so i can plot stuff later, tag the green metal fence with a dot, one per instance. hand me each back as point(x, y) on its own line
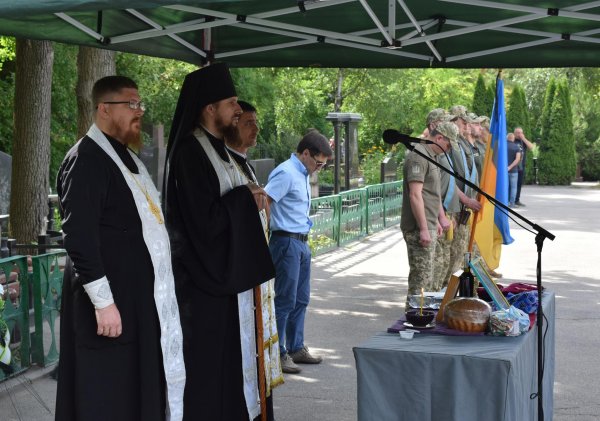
point(32, 304)
point(353, 214)
point(15, 280)
point(47, 293)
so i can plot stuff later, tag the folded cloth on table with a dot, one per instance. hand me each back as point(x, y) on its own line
point(514, 288)
point(437, 329)
point(526, 301)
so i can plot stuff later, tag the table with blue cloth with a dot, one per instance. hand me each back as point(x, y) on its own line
point(461, 378)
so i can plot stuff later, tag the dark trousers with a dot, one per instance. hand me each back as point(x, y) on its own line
point(519, 183)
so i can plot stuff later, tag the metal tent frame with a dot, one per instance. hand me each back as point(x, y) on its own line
point(325, 33)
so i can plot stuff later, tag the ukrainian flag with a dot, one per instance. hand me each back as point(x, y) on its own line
point(492, 222)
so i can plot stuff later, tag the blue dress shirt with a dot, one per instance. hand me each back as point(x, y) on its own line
point(289, 188)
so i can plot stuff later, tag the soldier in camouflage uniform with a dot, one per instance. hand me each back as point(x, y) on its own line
point(464, 164)
point(423, 217)
point(478, 148)
point(450, 203)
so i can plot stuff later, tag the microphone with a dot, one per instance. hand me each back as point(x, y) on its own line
point(392, 137)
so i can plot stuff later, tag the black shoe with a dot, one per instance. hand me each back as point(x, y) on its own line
point(521, 204)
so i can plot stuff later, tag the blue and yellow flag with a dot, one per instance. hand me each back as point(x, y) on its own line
point(492, 222)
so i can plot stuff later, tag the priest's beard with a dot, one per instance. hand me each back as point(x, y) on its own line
point(130, 135)
point(135, 141)
point(228, 130)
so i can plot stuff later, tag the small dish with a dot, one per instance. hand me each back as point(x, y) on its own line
point(406, 334)
point(429, 326)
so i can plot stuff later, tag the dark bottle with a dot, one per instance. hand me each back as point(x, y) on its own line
point(466, 279)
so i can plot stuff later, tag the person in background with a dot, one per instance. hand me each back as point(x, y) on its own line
point(463, 160)
point(288, 189)
point(238, 143)
point(514, 157)
point(243, 138)
point(120, 351)
point(525, 145)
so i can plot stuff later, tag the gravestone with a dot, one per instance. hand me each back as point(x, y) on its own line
point(263, 168)
point(153, 156)
point(5, 177)
point(345, 151)
point(389, 170)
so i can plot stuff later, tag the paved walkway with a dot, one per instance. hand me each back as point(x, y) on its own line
point(357, 291)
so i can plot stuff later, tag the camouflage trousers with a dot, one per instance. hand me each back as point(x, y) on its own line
point(420, 262)
point(441, 263)
point(458, 249)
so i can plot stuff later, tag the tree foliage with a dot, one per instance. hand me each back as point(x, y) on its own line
point(557, 153)
point(63, 129)
point(7, 91)
point(587, 124)
point(481, 101)
point(159, 82)
point(517, 115)
point(545, 121)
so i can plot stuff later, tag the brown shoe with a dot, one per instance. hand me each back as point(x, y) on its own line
point(495, 274)
point(302, 356)
point(288, 366)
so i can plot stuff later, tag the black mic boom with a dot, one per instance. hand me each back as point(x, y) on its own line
point(392, 137)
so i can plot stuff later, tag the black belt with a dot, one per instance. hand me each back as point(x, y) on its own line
point(301, 237)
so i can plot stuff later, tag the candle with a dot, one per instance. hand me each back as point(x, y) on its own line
point(422, 299)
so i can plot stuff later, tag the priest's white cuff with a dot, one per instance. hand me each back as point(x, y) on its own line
point(99, 292)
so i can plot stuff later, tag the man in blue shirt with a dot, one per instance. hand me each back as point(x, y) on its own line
point(288, 189)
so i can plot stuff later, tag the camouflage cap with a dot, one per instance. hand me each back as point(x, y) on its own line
point(449, 130)
point(438, 114)
point(475, 118)
point(485, 122)
point(460, 111)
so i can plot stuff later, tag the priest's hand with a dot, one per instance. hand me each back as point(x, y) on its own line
point(260, 196)
point(109, 321)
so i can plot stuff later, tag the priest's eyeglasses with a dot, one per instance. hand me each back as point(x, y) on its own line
point(134, 105)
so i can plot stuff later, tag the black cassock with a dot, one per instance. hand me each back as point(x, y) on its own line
point(103, 378)
point(218, 249)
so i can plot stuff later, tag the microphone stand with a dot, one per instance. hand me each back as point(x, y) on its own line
point(541, 235)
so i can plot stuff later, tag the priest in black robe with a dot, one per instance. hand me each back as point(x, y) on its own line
point(219, 249)
point(120, 359)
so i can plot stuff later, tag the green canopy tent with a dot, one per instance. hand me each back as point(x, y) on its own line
point(327, 33)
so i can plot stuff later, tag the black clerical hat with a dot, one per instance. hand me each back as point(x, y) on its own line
point(212, 84)
point(202, 87)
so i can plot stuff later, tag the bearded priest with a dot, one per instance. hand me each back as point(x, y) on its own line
point(220, 254)
point(121, 341)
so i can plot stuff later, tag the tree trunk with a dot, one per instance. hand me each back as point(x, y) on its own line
point(31, 146)
point(92, 64)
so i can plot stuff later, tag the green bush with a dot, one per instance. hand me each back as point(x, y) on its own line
point(481, 105)
point(371, 164)
point(589, 159)
point(557, 162)
point(518, 116)
point(326, 176)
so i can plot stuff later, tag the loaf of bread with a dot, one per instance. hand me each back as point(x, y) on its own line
point(467, 314)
